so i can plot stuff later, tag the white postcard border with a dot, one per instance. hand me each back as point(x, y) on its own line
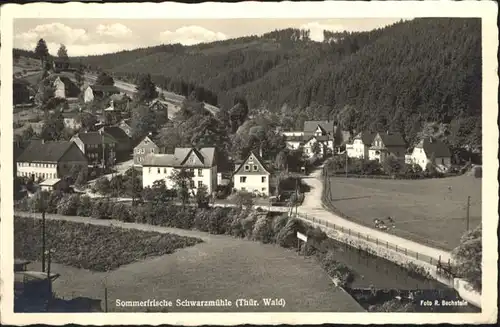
point(336, 9)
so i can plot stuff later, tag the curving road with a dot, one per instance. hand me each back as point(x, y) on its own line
point(130, 89)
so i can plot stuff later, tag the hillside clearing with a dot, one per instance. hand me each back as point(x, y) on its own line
point(429, 211)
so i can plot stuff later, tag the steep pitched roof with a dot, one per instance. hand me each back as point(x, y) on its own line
point(178, 159)
point(392, 139)
point(104, 88)
point(116, 132)
point(326, 126)
point(95, 138)
point(366, 137)
point(39, 151)
point(259, 160)
point(434, 146)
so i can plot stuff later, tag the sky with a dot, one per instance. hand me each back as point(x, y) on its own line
point(97, 36)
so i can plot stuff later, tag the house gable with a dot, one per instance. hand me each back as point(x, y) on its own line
point(378, 142)
point(193, 159)
point(73, 154)
point(252, 166)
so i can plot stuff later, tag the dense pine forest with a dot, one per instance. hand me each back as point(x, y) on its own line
point(400, 78)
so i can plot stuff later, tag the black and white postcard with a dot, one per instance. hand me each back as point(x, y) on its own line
point(249, 163)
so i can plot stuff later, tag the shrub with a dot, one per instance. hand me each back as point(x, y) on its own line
point(68, 205)
point(287, 236)
point(278, 223)
point(121, 212)
point(100, 209)
point(85, 207)
point(248, 224)
point(337, 270)
point(102, 185)
point(263, 230)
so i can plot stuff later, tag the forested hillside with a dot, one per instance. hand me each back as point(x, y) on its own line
point(399, 78)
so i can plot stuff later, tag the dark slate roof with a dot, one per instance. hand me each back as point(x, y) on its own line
point(294, 138)
point(104, 88)
point(320, 138)
point(116, 132)
point(392, 139)
point(310, 126)
point(39, 151)
point(366, 137)
point(177, 159)
point(95, 138)
point(257, 157)
point(434, 146)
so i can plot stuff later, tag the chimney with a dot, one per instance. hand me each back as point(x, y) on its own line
point(260, 151)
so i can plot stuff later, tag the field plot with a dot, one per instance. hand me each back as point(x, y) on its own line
point(431, 211)
point(98, 248)
point(220, 267)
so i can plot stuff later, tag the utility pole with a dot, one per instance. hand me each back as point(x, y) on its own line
point(43, 239)
point(346, 161)
point(468, 211)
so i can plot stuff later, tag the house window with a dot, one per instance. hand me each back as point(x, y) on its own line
point(200, 172)
point(243, 188)
point(158, 170)
point(164, 170)
point(247, 168)
point(191, 184)
point(152, 150)
point(263, 189)
point(200, 184)
point(149, 170)
point(263, 179)
point(442, 161)
point(255, 168)
point(243, 179)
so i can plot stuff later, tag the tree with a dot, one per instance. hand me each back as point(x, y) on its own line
point(243, 199)
point(62, 52)
point(316, 148)
point(146, 89)
point(87, 119)
point(392, 165)
point(104, 79)
point(202, 197)
point(281, 160)
point(81, 179)
point(41, 51)
point(79, 76)
point(468, 257)
point(53, 127)
point(183, 179)
point(44, 93)
point(102, 185)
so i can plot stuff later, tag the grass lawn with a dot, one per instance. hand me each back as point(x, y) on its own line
point(98, 248)
point(221, 267)
point(425, 211)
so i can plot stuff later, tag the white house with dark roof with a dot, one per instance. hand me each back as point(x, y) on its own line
point(252, 176)
point(327, 132)
point(433, 151)
point(202, 162)
point(50, 160)
point(360, 145)
point(385, 145)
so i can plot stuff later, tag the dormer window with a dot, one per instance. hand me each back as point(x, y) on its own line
point(255, 168)
point(247, 168)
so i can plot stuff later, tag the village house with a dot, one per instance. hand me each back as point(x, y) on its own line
point(98, 147)
point(71, 120)
point(62, 65)
point(252, 176)
point(385, 145)
point(99, 91)
point(360, 145)
point(123, 143)
point(431, 151)
point(327, 133)
point(293, 140)
point(144, 148)
point(51, 184)
point(65, 87)
point(202, 162)
point(50, 160)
